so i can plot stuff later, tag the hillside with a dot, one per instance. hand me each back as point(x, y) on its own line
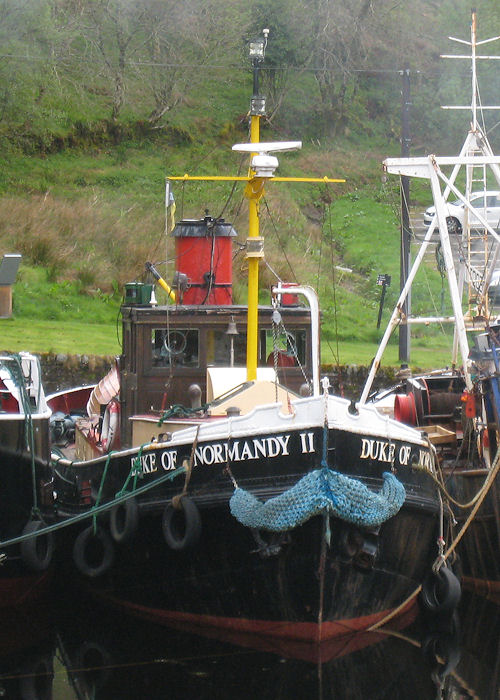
point(82, 242)
point(83, 168)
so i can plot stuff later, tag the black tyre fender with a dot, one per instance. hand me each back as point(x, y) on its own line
point(37, 552)
point(441, 591)
point(123, 520)
point(93, 552)
point(94, 663)
point(181, 526)
point(441, 649)
point(36, 679)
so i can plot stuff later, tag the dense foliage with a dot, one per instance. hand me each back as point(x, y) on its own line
point(79, 71)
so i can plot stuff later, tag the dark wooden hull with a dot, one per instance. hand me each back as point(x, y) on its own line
point(289, 585)
point(479, 668)
point(18, 468)
point(479, 548)
point(304, 591)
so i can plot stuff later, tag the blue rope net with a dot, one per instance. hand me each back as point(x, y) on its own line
point(320, 491)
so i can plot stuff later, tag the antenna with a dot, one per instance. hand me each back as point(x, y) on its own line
point(263, 163)
point(473, 57)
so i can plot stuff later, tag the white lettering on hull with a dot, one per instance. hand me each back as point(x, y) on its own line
point(208, 454)
point(385, 451)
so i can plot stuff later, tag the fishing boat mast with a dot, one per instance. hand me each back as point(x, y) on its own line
point(476, 153)
point(262, 167)
point(255, 247)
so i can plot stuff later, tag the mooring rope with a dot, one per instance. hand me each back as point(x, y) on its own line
point(95, 510)
point(452, 546)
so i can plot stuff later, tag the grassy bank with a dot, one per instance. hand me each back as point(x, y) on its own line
point(86, 223)
point(88, 338)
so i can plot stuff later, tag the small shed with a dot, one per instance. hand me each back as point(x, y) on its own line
point(8, 272)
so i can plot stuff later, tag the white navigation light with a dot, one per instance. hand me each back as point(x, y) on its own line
point(263, 163)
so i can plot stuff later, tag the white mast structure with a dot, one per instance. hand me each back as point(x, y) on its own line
point(475, 153)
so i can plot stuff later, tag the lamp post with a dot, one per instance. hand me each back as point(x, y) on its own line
point(257, 51)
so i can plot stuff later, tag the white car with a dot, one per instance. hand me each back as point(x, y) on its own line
point(494, 288)
point(487, 204)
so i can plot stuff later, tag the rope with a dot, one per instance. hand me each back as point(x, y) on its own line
point(176, 500)
point(101, 486)
point(181, 411)
point(95, 510)
point(486, 485)
point(134, 472)
point(488, 482)
point(277, 327)
point(453, 545)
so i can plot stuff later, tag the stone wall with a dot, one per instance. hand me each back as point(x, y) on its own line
point(61, 371)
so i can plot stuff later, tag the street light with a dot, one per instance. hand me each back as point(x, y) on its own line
point(257, 50)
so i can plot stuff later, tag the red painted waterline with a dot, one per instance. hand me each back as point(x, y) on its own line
point(300, 640)
point(16, 591)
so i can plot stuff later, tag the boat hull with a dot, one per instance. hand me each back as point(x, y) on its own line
point(480, 545)
point(328, 570)
point(300, 588)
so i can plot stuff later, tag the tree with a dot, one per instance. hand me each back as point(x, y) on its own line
point(112, 29)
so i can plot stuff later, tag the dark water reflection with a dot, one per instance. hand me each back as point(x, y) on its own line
point(66, 648)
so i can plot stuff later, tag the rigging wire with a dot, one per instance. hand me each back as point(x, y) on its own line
point(283, 250)
point(336, 352)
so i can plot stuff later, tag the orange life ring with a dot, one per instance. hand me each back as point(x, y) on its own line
point(110, 425)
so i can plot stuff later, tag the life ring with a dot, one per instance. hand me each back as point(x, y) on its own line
point(441, 591)
point(93, 552)
point(123, 520)
point(181, 526)
point(110, 425)
point(36, 552)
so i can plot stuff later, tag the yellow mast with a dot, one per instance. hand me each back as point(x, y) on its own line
point(254, 254)
point(255, 248)
point(254, 190)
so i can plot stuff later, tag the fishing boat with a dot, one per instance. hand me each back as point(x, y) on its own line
point(26, 497)
point(460, 407)
point(216, 479)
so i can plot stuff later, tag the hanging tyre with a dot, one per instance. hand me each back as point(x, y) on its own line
point(181, 526)
point(93, 552)
point(37, 551)
point(36, 679)
point(94, 662)
point(123, 520)
point(441, 591)
point(441, 649)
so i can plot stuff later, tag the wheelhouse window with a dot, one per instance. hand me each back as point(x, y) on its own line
point(290, 348)
point(226, 350)
point(175, 347)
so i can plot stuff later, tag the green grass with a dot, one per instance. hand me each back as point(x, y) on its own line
point(68, 337)
point(91, 338)
point(422, 355)
point(69, 317)
point(87, 222)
